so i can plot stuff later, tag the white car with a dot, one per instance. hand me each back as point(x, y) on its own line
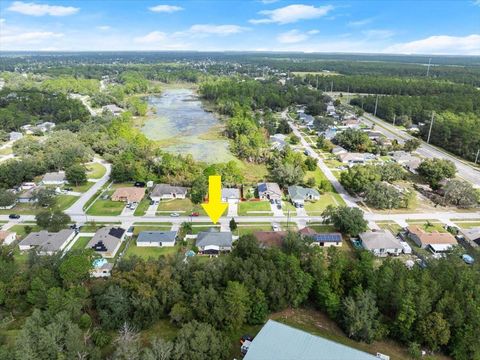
point(174, 214)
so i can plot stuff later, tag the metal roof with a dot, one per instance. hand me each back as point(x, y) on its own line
point(281, 342)
point(157, 236)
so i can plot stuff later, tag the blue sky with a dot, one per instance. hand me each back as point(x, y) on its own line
point(422, 27)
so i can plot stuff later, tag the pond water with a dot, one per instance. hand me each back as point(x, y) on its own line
point(181, 123)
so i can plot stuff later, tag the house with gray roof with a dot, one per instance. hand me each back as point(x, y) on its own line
point(472, 236)
point(278, 141)
point(282, 342)
point(14, 136)
point(47, 243)
point(298, 194)
point(269, 191)
point(107, 241)
point(157, 238)
point(230, 195)
point(54, 178)
point(166, 192)
point(381, 243)
point(214, 242)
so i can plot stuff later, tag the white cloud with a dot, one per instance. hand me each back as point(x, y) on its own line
point(2, 20)
point(378, 34)
point(292, 37)
point(362, 22)
point(476, 2)
point(33, 37)
point(441, 45)
point(153, 37)
point(42, 9)
point(103, 27)
point(165, 8)
point(313, 32)
point(210, 29)
point(292, 13)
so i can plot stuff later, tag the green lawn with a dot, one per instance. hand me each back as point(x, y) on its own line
point(106, 207)
point(82, 188)
point(253, 173)
point(91, 227)
point(95, 170)
point(389, 225)
point(245, 229)
point(245, 208)
point(286, 206)
point(150, 252)
point(428, 226)
point(65, 201)
point(142, 207)
point(182, 206)
point(197, 229)
point(81, 243)
point(467, 224)
point(21, 209)
point(20, 230)
point(317, 207)
point(138, 229)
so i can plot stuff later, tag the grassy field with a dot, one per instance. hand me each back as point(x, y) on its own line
point(322, 228)
point(20, 230)
point(82, 188)
point(252, 172)
point(389, 225)
point(467, 224)
point(81, 243)
point(106, 207)
point(150, 252)
point(65, 201)
point(317, 207)
point(428, 226)
point(142, 207)
point(199, 228)
point(182, 206)
point(95, 171)
point(245, 229)
point(245, 208)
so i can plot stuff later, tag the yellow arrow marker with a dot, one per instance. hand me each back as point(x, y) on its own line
point(215, 208)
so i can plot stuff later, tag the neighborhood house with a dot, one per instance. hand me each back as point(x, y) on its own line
point(6, 237)
point(54, 178)
point(381, 243)
point(355, 158)
point(166, 191)
point(47, 243)
point(321, 239)
point(107, 241)
point(214, 242)
point(472, 236)
point(157, 238)
point(435, 241)
point(298, 194)
point(101, 268)
point(129, 194)
point(269, 191)
point(230, 195)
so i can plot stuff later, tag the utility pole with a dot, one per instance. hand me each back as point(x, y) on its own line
point(394, 117)
point(376, 103)
point(331, 87)
point(430, 130)
point(317, 83)
point(476, 157)
point(428, 67)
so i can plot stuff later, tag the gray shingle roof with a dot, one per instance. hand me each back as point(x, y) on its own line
point(106, 239)
point(380, 239)
point(222, 239)
point(166, 189)
point(157, 236)
point(54, 176)
point(47, 241)
point(301, 193)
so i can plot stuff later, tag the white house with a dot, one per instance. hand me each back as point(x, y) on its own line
point(269, 191)
point(166, 192)
point(14, 136)
point(54, 178)
point(298, 194)
point(381, 243)
point(156, 238)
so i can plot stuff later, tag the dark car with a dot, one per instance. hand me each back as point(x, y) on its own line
point(279, 206)
point(139, 184)
point(14, 216)
point(246, 338)
point(68, 189)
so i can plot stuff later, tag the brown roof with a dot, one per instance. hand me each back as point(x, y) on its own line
point(307, 231)
point(129, 194)
point(434, 237)
point(3, 235)
point(270, 239)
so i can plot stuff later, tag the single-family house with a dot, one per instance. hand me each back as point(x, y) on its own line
point(337, 150)
point(7, 237)
point(14, 136)
point(413, 164)
point(107, 241)
point(329, 134)
point(156, 238)
point(113, 109)
point(28, 196)
point(27, 129)
point(27, 185)
point(46, 126)
point(279, 341)
point(269, 191)
point(230, 195)
point(270, 239)
point(472, 236)
point(381, 243)
point(435, 241)
point(47, 243)
point(54, 178)
point(352, 158)
point(374, 135)
point(129, 194)
point(278, 141)
point(214, 242)
point(351, 123)
point(101, 268)
point(299, 194)
point(321, 239)
point(166, 192)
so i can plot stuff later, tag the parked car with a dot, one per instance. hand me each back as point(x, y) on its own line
point(279, 207)
point(14, 216)
point(195, 214)
point(272, 201)
point(139, 184)
point(278, 201)
point(246, 338)
point(174, 214)
point(68, 189)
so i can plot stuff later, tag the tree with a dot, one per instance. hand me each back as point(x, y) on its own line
point(287, 174)
point(199, 189)
point(349, 221)
point(76, 174)
point(113, 307)
point(237, 301)
point(233, 225)
point(294, 140)
point(199, 341)
point(434, 330)
point(7, 198)
point(127, 344)
point(53, 221)
point(75, 267)
point(258, 308)
point(391, 172)
point(460, 193)
point(310, 163)
point(360, 316)
point(357, 178)
point(384, 196)
point(436, 170)
point(354, 140)
point(45, 197)
point(411, 145)
point(159, 350)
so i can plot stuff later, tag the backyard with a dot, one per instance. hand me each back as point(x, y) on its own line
point(81, 243)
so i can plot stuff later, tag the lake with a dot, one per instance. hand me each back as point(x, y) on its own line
point(181, 124)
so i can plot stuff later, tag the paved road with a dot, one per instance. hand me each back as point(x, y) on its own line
point(77, 208)
point(349, 200)
point(465, 171)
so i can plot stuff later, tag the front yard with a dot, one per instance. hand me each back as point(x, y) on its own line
point(181, 206)
point(316, 208)
point(254, 208)
point(106, 207)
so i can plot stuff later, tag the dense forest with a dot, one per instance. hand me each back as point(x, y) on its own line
point(61, 311)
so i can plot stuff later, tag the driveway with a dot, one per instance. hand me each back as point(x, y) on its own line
point(232, 208)
point(275, 210)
